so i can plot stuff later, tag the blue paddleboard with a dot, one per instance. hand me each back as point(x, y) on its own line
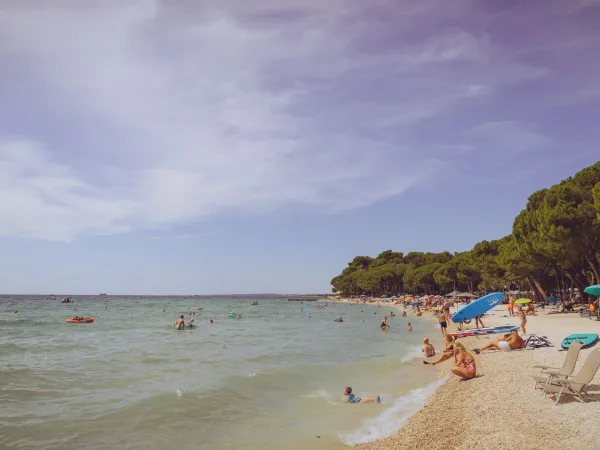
point(478, 307)
point(585, 339)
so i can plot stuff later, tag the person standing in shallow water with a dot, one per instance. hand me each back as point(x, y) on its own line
point(443, 319)
point(384, 325)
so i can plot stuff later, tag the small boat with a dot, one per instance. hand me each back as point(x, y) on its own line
point(80, 320)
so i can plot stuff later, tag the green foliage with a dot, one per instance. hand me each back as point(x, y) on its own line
point(596, 194)
point(555, 238)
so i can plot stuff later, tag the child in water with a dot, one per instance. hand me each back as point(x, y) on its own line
point(349, 397)
point(409, 327)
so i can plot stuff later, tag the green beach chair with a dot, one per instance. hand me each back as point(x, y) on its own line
point(575, 385)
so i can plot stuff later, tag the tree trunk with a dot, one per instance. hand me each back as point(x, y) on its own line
point(580, 282)
point(537, 288)
point(594, 266)
point(557, 279)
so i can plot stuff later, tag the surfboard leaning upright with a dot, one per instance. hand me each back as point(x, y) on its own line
point(478, 307)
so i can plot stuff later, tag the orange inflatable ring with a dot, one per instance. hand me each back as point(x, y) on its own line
point(85, 320)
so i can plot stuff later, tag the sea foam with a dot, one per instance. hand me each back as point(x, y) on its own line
point(413, 353)
point(392, 418)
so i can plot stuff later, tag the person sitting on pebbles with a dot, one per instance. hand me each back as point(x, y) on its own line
point(464, 366)
point(448, 352)
point(428, 349)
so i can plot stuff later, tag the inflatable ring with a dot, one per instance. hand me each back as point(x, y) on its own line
point(84, 320)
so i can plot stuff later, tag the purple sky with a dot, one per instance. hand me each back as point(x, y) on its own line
point(134, 129)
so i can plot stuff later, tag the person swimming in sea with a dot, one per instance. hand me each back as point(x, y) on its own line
point(211, 321)
point(180, 324)
point(409, 327)
point(349, 397)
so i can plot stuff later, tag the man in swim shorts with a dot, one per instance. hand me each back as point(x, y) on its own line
point(180, 323)
point(443, 319)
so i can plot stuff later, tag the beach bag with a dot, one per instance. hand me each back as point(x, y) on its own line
point(534, 341)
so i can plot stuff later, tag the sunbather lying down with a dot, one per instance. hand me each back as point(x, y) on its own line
point(510, 341)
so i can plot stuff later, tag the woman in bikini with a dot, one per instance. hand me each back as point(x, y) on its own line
point(523, 316)
point(465, 363)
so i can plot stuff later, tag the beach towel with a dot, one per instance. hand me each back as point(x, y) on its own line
point(534, 341)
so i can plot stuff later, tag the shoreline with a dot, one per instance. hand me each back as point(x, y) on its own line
point(499, 408)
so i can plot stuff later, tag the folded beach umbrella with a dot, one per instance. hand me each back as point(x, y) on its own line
point(593, 290)
point(522, 301)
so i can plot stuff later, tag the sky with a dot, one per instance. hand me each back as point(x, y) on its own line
point(229, 146)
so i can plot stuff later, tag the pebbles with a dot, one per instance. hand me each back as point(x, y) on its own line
point(499, 409)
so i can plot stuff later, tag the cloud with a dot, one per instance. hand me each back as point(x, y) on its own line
point(139, 114)
point(46, 200)
point(178, 237)
point(510, 136)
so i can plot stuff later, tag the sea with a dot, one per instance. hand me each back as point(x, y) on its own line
point(273, 379)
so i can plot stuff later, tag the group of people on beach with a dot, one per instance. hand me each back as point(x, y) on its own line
point(464, 362)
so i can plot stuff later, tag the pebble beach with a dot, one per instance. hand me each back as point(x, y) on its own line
point(500, 408)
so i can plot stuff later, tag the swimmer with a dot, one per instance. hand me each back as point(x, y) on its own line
point(180, 323)
point(349, 397)
point(409, 327)
point(211, 321)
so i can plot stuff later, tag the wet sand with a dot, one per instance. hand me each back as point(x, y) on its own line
point(499, 408)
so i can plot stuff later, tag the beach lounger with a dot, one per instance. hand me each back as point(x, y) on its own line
point(575, 385)
point(561, 372)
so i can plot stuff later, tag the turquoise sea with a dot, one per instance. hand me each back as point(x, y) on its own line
point(271, 380)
